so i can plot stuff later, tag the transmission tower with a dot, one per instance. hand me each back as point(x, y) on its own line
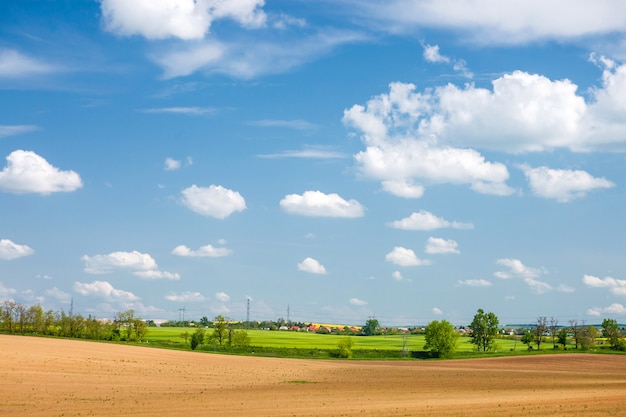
point(248, 314)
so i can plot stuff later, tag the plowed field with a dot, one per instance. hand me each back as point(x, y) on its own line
point(46, 377)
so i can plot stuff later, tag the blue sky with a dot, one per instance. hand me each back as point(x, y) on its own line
point(409, 160)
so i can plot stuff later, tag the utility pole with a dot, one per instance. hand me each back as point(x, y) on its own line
point(288, 318)
point(248, 314)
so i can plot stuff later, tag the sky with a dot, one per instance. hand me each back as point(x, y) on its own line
point(320, 161)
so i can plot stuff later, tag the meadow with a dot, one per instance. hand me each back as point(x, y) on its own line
point(172, 337)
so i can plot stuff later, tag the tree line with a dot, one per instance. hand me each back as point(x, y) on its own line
point(441, 336)
point(16, 318)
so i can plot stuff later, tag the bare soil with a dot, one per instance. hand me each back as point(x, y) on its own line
point(49, 377)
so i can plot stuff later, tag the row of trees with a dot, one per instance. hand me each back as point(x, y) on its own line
point(441, 336)
point(17, 318)
point(222, 334)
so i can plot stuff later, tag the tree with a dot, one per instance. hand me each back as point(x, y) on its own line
point(540, 329)
point(610, 330)
point(220, 331)
point(440, 338)
point(240, 338)
point(587, 336)
point(371, 328)
point(528, 338)
point(554, 326)
point(484, 329)
point(575, 329)
point(345, 347)
point(562, 337)
point(197, 338)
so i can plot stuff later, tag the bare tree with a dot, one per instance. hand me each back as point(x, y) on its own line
point(540, 330)
point(554, 326)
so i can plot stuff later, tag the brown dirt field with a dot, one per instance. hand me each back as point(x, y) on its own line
point(48, 377)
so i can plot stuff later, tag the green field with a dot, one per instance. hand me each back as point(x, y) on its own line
point(172, 336)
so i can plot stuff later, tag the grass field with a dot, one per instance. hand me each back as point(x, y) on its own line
point(173, 336)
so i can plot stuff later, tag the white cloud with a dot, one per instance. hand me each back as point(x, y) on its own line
point(397, 276)
point(183, 19)
point(475, 283)
point(497, 22)
point(318, 204)
point(103, 290)
point(562, 185)
point(403, 188)
point(425, 220)
point(58, 294)
point(10, 250)
point(134, 261)
point(14, 64)
point(405, 257)
point(307, 153)
point(202, 251)
point(27, 172)
point(312, 266)
point(222, 296)
point(357, 302)
point(248, 57)
point(11, 130)
point(614, 308)
point(437, 311)
point(6, 292)
point(192, 111)
point(157, 274)
point(432, 54)
point(516, 269)
point(186, 297)
point(172, 164)
point(441, 246)
point(213, 201)
point(616, 286)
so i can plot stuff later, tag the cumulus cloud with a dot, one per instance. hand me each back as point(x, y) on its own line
point(616, 286)
point(183, 19)
point(436, 245)
point(405, 257)
point(425, 220)
point(58, 294)
point(172, 164)
point(516, 269)
point(403, 188)
point(318, 204)
point(495, 22)
point(562, 185)
point(5, 292)
point(103, 264)
point(312, 266)
point(213, 201)
point(614, 308)
point(475, 283)
point(103, 290)
point(10, 250)
point(27, 172)
point(186, 297)
point(14, 64)
point(222, 296)
point(432, 54)
point(11, 130)
point(203, 251)
point(140, 264)
point(357, 302)
point(397, 276)
point(157, 274)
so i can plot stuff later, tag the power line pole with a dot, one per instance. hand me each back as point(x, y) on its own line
point(248, 314)
point(288, 318)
